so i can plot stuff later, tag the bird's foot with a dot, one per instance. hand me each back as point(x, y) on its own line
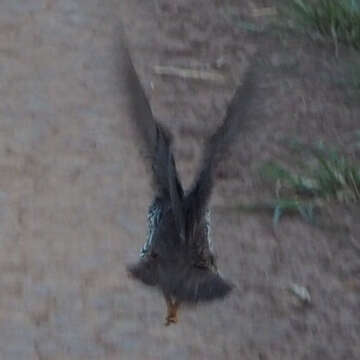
point(171, 320)
point(172, 308)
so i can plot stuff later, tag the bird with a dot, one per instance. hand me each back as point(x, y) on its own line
point(178, 258)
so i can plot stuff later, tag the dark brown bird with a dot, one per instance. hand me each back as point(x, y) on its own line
point(177, 257)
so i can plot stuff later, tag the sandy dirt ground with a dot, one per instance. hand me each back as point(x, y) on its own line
point(74, 192)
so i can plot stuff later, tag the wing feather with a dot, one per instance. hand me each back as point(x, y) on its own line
point(216, 148)
point(157, 141)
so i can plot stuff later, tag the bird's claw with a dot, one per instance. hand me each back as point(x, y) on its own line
point(171, 320)
point(172, 308)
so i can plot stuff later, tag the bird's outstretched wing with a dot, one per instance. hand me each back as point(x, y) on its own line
point(216, 148)
point(157, 142)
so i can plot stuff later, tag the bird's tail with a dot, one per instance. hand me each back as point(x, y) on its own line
point(198, 285)
point(143, 271)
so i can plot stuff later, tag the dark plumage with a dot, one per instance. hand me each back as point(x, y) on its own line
point(177, 257)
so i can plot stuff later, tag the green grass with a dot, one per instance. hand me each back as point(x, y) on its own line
point(325, 175)
point(338, 20)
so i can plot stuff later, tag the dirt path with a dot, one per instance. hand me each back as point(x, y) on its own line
point(73, 193)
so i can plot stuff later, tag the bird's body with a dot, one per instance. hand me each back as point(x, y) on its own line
point(185, 273)
point(154, 217)
point(177, 257)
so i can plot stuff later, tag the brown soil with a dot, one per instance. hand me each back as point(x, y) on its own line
point(74, 192)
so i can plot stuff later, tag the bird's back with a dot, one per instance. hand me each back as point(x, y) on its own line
point(185, 270)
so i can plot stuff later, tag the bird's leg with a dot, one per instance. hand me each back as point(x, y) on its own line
point(172, 308)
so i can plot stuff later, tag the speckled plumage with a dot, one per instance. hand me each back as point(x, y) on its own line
point(153, 221)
